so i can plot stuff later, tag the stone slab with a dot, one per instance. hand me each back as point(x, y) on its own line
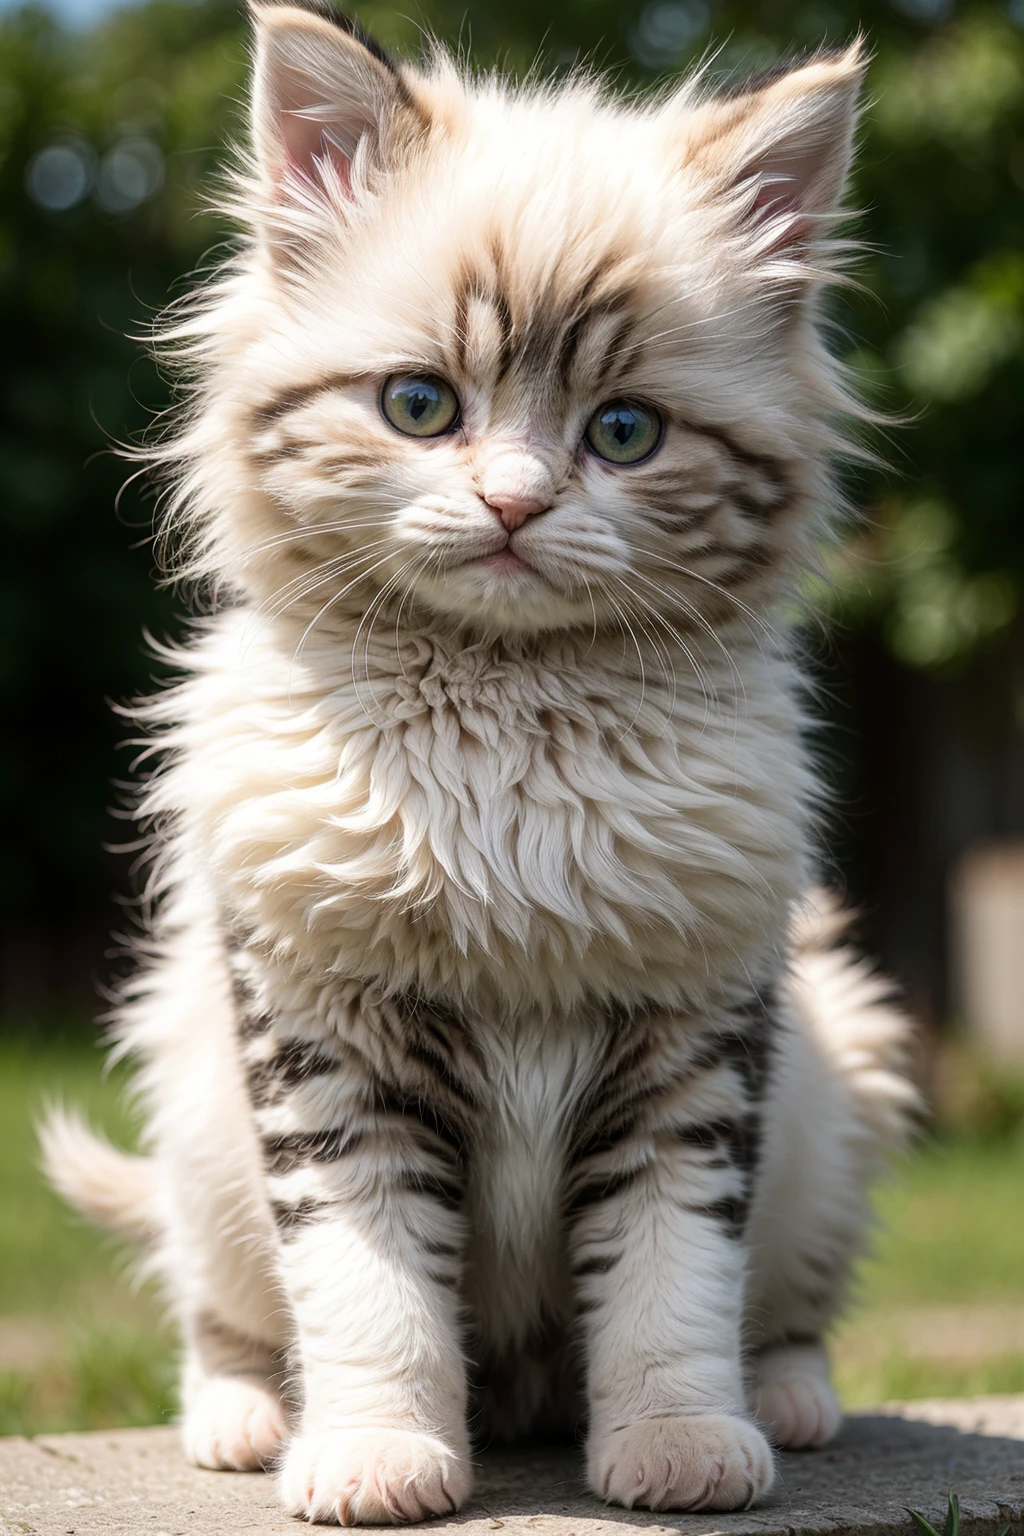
point(135, 1483)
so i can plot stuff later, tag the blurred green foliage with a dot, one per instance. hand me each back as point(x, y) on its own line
point(107, 140)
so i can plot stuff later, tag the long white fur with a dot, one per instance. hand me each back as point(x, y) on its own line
point(542, 804)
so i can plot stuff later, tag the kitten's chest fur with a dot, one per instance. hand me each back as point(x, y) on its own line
point(487, 825)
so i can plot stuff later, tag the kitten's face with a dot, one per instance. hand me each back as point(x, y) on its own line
point(526, 373)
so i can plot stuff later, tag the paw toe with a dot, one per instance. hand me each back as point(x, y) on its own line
point(372, 1477)
point(708, 1461)
point(798, 1412)
point(233, 1423)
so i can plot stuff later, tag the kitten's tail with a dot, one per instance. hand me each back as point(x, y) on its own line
point(115, 1189)
point(852, 1013)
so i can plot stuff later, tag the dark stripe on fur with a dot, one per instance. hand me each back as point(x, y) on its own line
point(731, 1211)
point(597, 1264)
point(294, 1062)
point(251, 1020)
point(447, 1191)
point(432, 1119)
point(283, 1154)
point(601, 1187)
point(265, 415)
point(760, 463)
point(291, 1216)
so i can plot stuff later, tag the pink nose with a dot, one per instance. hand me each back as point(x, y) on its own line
point(514, 510)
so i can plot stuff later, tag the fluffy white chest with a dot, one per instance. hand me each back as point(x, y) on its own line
point(502, 829)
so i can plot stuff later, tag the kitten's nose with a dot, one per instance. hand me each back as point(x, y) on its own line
point(514, 510)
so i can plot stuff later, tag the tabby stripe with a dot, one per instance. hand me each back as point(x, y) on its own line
point(298, 395)
point(284, 1154)
point(732, 1211)
point(603, 1187)
point(598, 1264)
point(390, 1101)
point(447, 1191)
point(292, 1064)
point(290, 1216)
point(432, 1059)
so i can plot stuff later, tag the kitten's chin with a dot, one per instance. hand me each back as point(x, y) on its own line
point(501, 592)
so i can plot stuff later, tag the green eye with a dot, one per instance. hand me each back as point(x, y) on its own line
point(623, 432)
point(419, 405)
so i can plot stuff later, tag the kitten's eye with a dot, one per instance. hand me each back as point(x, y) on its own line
point(623, 432)
point(419, 405)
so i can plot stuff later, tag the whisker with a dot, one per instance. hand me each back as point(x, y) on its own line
point(628, 628)
point(697, 617)
point(307, 581)
point(334, 598)
point(708, 690)
point(316, 530)
point(373, 613)
point(685, 570)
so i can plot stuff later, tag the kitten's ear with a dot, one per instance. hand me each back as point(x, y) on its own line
point(322, 93)
point(782, 145)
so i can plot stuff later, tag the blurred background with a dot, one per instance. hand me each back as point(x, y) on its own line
point(111, 122)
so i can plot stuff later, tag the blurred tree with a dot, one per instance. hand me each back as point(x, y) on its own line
point(106, 140)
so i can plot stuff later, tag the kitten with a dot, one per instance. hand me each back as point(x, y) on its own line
point(498, 1069)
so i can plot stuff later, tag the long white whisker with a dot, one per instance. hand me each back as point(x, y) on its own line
point(685, 570)
point(371, 614)
point(697, 617)
point(307, 581)
point(334, 598)
point(708, 691)
point(628, 629)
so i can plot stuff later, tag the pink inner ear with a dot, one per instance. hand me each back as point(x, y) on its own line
point(309, 146)
point(782, 198)
point(773, 197)
point(776, 200)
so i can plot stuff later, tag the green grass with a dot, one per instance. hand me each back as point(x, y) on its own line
point(82, 1344)
point(950, 1226)
point(949, 1235)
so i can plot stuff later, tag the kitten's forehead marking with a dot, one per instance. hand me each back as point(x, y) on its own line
point(540, 334)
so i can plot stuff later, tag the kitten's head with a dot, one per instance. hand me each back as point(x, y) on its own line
point(524, 358)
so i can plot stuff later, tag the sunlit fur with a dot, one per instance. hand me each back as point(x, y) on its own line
point(495, 1060)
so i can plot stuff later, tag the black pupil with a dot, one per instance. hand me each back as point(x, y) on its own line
point(420, 398)
point(622, 425)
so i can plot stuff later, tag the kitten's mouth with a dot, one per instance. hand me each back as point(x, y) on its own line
point(504, 560)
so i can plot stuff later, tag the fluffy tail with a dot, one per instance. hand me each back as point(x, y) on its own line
point(113, 1188)
point(852, 1012)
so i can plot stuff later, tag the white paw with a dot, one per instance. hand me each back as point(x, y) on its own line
point(233, 1423)
point(372, 1477)
point(798, 1411)
point(710, 1461)
point(793, 1396)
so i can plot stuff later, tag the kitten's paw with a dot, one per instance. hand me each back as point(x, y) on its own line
point(793, 1397)
point(709, 1461)
point(372, 1477)
point(233, 1423)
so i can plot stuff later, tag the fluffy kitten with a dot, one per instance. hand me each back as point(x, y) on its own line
point(493, 1075)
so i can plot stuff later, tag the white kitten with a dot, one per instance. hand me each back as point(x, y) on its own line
point(488, 1076)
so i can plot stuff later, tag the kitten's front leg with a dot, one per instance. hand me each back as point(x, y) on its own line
point(661, 1189)
point(364, 1174)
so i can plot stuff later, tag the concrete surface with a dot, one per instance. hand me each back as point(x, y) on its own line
point(134, 1483)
